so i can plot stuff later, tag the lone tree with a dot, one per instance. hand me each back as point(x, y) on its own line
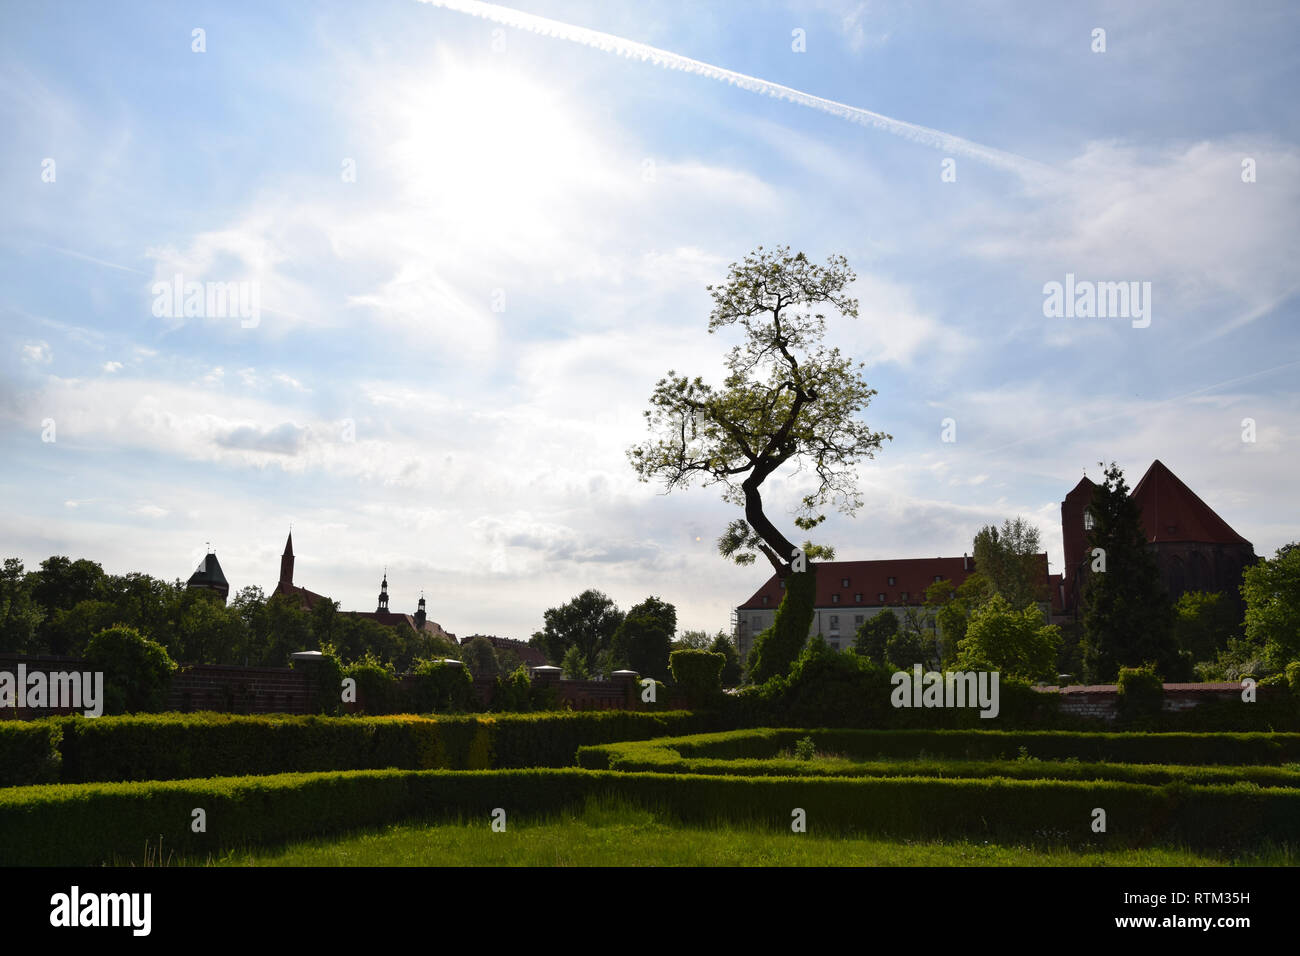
point(1128, 618)
point(786, 398)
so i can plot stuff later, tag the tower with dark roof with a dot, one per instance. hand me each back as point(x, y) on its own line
point(286, 563)
point(209, 576)
point(419, 614)
point(383, 595)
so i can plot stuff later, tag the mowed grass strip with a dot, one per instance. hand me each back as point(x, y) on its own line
point(607, 833)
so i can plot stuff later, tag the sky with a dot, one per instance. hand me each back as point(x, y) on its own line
point(470, 243)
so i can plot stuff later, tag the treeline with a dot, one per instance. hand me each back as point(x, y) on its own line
point(57, 608)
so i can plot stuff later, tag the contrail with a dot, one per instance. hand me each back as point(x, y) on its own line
point(1025, 168)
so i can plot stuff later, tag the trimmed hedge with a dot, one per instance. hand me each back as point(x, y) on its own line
point(656, 757)
point(29, 752)
point(98, 823)
point(178, 746)
point(1127, 748)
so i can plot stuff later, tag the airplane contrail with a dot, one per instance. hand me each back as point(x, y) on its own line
point(946, 142)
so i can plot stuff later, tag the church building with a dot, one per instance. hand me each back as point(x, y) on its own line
point(307, 599)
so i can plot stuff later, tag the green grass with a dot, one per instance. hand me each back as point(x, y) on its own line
point(609, 833)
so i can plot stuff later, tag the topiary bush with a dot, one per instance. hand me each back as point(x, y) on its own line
point(699, 674)
point(1141, 692)
point(377, 689)
point(137, 671)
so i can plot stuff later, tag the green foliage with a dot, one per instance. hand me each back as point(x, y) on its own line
point(785, 397)
point(1271, 590)
point(1204, 622)
point(1017, 643)
point(1141, 691)
point(62, 825)
point(377, 688)
point(175, 746)
point(699, 674)
point(1128, 618)
point(137, 672)
point(1008, 560)
point(731, 670)
point(1242, 657)
point(588, 622)
point(805, 749)
point(480, 657)
point(20, 615)
point(644, 639)
point(441, 687)
point(776, 648)
point(513, 694)
point(574, 664)
point(953, 607)
point(327, 680)
point(874, 635)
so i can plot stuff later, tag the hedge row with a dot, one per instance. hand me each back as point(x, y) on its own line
point(1051, 745)
point(650, 757)
point(180, 746)
point(84, 824)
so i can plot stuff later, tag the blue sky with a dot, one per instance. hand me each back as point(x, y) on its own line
point(452, 352)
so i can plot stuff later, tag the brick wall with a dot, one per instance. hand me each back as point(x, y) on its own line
point(1101, 701)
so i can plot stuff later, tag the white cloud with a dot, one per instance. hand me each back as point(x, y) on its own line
point(38, 353)
point(112, 367)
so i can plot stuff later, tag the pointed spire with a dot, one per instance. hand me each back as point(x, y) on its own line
point(383, 594)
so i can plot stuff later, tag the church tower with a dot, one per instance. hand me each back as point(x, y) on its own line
point(383, 595)
point(286, 563)
point(419, 614)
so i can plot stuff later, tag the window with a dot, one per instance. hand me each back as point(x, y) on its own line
point(835, 599)
point(781, 582)
point(764, 598)
point(905, 596)
point(857, 620)
point(881, 597)
point(835, 645)
point(892, 582)
point(858, 597)
point(1087, 521)
point(835, 622)
point(938, 578)
point(844, 582)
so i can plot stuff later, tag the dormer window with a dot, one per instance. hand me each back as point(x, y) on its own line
point(764, 598)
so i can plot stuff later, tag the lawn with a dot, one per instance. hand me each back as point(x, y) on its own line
point(612, 834)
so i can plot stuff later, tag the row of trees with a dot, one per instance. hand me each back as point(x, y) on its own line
point(57, 608)
point(589, 636)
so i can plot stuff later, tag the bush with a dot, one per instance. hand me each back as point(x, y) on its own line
point(137, 671)
point(377, 689)
point(29, 752)
point(439, 687)
point(1141, 692)
point(513, 694)
point(699, 674)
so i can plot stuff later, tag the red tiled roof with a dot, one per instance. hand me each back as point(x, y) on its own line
point(308, 598)
point(871, 578)
point(1172, 512)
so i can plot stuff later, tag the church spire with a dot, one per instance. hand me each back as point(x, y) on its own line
point(286, 561)
point(383, 595)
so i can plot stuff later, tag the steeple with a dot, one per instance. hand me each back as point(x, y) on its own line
point(286, 562)
point(419, 614)
point(383, 595)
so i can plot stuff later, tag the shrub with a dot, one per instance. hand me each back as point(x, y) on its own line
point(377, 689)
point(1141, 692)
point(699, 674)
point(29, 752)
point(513, 694)
point(805, 749)
point(440, 687)
point(137, 671)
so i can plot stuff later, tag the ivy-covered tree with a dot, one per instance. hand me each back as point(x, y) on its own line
point(786, 399)
point(1128, 618)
